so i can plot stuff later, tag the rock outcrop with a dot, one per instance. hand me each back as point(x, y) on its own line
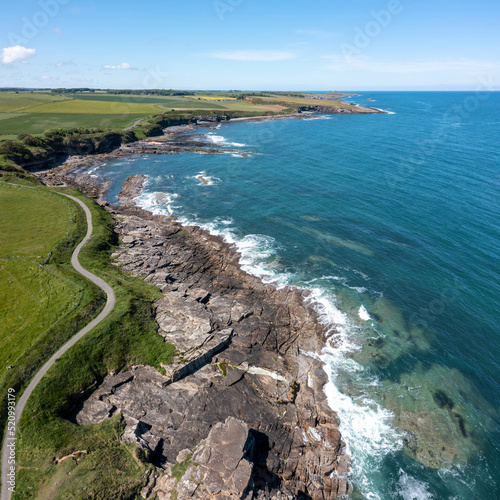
point(241, 413)
point(342, 110)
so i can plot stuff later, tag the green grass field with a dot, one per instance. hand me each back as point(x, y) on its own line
point(26, 102)
point(35, 113)
point(7, 115)
point(168, 102)
point(37, 123)
point(34, 298)
point(77, 106)
point(39, 314)
point(38, 220)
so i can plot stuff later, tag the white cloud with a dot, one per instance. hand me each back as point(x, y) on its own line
point(16, 53)
point(253, 55)
point(57, 31)
point(122, 65)
point(339, 62)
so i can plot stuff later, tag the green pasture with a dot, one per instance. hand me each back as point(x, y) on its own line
point(167, 102)
point(37, 123)
point(34, 297)
point(79, 106)
point(7, 115)
point(32, 221)
point(25, 102)
point(34, 113)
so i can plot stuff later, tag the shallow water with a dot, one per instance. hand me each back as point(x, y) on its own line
point(392, 222)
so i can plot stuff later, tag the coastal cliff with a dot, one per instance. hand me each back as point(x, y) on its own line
point(57, 145)
point(242, 412)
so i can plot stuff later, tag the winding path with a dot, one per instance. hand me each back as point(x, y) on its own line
point(21, 402)
point(135, 123)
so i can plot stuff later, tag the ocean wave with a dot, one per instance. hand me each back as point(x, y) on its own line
point(343, 280)
point(222, 141)
point(258, 252)
point(320, 117)
point(365, 426)
point(205, 180)
point(363, 314)
point(385, 111)
point(410, 488)
point(156, 202)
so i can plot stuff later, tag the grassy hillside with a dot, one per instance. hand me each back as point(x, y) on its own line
point(59, 303)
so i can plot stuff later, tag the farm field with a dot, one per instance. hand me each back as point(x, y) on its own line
point(37, 123)
point(26, 102)
point(170, 102)
point(34, 113)
point(303, 101)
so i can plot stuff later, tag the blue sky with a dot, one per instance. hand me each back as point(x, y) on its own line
point(251, 44)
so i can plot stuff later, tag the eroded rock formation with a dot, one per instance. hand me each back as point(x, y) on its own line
point(241, 413)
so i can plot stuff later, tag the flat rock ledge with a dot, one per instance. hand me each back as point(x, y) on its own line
point(241, 413)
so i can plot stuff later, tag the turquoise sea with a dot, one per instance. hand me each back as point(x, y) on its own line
point(392, 222)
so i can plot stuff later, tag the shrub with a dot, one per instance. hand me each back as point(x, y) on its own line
point(153, 130)
point(55, 132)
point(15, 151)
point(128, 136)
point(36, 142)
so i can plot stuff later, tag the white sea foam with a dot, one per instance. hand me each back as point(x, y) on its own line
point(320, 117)
point(385, 111)
point(256, 250)
point(341, 279)
point(365, 425)
point(222, 141)
point(205, 180)
point(363, 314)
point(158, 203)
point(93, 170)
point(216, 139)
point(410, 488)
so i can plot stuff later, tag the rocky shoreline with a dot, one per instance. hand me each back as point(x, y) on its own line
point(172, 141)
point(241, 412)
